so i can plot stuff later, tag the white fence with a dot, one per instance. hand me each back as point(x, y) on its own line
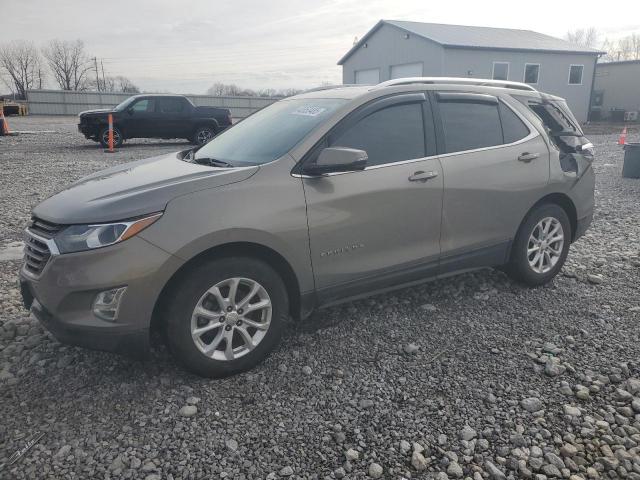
point(61, 102)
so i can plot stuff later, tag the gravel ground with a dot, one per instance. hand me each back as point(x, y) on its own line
point(471, 377)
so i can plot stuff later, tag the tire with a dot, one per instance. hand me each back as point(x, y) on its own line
point(527, 266)
point(103, 137)
point(202, 135)
point(197, 288)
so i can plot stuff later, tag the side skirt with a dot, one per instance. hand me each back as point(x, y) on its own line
point(449, 265)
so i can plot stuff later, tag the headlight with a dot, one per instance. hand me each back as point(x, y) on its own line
point(76, 238)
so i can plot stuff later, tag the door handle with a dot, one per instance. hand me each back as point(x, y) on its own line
point(421, 176)
point(527, 157)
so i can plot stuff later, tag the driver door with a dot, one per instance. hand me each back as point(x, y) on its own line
point(140, 119)
point(378, 227)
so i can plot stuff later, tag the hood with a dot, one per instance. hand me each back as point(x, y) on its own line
point(134, 189)
point(97, 111)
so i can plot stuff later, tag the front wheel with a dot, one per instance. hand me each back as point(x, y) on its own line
point(226, 316)
point(202, 135)
point(103, 137)
point(541, 245)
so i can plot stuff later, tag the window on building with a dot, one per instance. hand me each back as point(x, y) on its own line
point(513, 128)
point(531, 73)
point(469, 125)
point(389, 135)
point(575, 74)
point(500, 70)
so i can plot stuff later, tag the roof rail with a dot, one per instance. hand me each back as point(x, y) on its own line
point(330, 87)
point(480, 82)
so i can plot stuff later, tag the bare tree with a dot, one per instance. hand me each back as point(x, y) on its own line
point(69, 63)
point(625, 48)
point(219, 89)
point(119, 84)
point(123, 84)
point(585, 37)
point(21, 66)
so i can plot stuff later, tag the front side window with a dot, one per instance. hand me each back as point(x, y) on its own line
point(469, 125)
point(500, 71)
point(575, 74)
point(145, 105)
point(531, 73)
point(271, 132)
point(389, 135)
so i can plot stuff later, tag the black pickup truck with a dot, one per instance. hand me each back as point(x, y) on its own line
point(155, 116)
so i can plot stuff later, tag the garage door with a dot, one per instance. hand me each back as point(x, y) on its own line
point(406, 70)
point(371, 76)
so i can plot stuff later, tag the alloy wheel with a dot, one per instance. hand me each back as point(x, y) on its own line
point(545, 245)
point(116, 137)
point(231, 318)
point(204, 136)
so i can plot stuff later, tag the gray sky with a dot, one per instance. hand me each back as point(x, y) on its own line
point(184, 46)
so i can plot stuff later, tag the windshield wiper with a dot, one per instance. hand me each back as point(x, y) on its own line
point(213, 162)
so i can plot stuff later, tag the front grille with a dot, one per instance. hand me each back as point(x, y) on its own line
point(36, 255)
point(43, 228)
point(36, 250)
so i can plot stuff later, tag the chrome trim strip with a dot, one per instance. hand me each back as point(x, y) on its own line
point(49, 242)
point(534, 134)
point(372, 167)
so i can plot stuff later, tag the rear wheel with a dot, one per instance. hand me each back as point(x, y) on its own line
point(541, 245)
point(103, 137)
point(226, 316)
point(202, 135)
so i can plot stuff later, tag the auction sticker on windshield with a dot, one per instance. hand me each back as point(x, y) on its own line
point(309, 110)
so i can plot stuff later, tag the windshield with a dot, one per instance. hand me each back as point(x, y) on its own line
point(122, 105)
point(269, 133)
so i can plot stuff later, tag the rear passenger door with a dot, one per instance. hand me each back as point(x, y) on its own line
point(495, 166)
point(172, 113)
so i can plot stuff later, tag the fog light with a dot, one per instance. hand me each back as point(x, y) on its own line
point(107, 303)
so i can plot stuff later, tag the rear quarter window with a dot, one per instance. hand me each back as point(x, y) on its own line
point(513, 128)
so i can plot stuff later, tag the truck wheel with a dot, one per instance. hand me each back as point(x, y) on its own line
point(541, 245)
point(203, 135)
point(226, 316)
point(103, 137)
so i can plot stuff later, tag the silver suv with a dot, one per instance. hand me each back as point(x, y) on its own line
point(314, 200)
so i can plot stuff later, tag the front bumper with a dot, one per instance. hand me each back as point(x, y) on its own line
point(89, 131)
point(62, 296)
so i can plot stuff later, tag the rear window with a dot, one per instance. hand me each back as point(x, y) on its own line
point(555, 114)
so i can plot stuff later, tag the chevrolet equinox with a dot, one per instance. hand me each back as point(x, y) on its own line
point(316, 199)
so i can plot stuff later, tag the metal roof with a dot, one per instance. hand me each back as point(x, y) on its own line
point(617, 62)
point(484, 38)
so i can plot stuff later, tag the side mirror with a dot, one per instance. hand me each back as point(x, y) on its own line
point(337, 159)
point(130, 111)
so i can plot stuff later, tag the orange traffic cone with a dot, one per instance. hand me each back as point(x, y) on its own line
point(4, 126)
point(623, 137)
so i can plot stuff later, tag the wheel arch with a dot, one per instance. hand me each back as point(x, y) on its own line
point(246, 249)
point(563, 201)
point(207, 122)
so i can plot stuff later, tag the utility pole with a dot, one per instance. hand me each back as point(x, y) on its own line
point(104, 82)
point(95, 62)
